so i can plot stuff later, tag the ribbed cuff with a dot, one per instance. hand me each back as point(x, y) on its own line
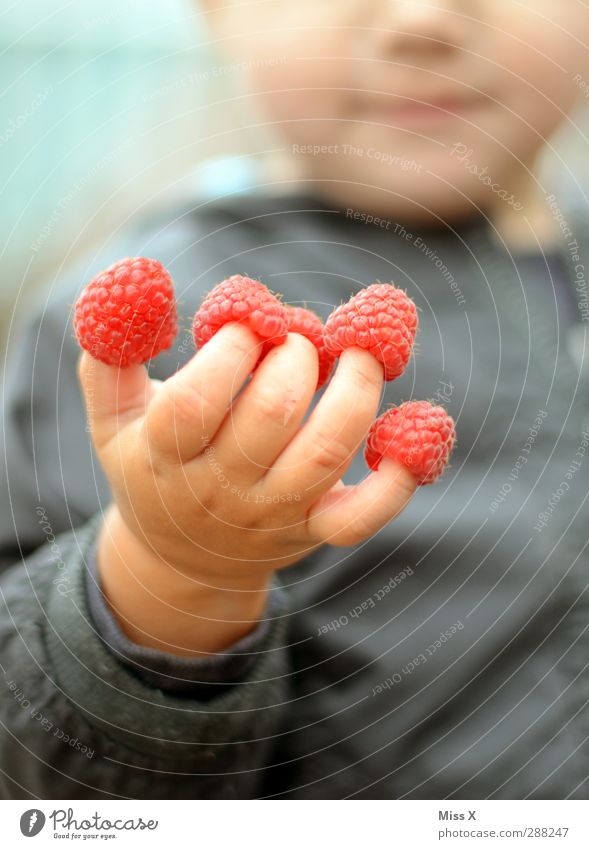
point(197, 678)
point(142, 717)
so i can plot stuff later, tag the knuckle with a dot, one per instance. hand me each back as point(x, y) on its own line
point(267, 401)
point(206, 499)
point(346, 539)
point(174, 406)
point(361, 528)
point(357, 531)
point(146, 466)
point(186, 402)
point(327, 450)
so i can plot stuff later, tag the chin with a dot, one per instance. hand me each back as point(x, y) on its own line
point(417, 204)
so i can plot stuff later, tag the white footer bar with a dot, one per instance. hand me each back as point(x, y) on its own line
point(297, 824)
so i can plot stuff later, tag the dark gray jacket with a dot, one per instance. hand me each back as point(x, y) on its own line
point(444, 658)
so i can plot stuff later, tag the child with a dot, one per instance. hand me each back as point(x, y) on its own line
point(154, 642)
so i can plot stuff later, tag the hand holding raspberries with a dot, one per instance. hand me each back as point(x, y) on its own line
point(127, 314)
point(217, 479)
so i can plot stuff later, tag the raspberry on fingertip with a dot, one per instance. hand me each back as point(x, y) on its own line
point(417, 434)
point(308, 324)
point(241, 298)
point(382, 319)
point(127, 315)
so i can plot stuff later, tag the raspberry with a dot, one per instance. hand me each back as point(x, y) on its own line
point(241, 299)
point(308, 324)
point(417, 434)
point(127, 314)
point(381, 319)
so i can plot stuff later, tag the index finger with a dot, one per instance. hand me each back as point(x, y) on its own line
point(189, 407)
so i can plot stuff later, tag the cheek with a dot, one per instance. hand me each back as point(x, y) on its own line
point(539, 94)
point(301, 84)
point(533, 86)
point(537, 64)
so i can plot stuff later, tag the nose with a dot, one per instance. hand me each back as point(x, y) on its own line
point(420, 28)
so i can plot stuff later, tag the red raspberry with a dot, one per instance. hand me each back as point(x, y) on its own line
point(241, 299)
point(127, 314)
point(381, 319)
point(308, 324)
point(417, 434)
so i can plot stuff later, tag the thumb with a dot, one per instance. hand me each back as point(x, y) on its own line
point(113, 396)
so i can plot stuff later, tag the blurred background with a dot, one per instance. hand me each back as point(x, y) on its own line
point(108, 105)
point(105, 106)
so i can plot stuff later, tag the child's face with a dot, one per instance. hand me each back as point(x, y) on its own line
point(340, 80)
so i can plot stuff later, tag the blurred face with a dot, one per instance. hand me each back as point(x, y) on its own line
point(414, 109)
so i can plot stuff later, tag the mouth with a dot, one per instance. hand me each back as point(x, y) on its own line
point(424, 112)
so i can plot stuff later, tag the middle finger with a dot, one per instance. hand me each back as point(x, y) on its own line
point(269, 410)
point(323, 449)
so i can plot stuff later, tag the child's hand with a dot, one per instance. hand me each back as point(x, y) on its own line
point(227, 497)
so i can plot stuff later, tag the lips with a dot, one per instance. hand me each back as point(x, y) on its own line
point(423, 109)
